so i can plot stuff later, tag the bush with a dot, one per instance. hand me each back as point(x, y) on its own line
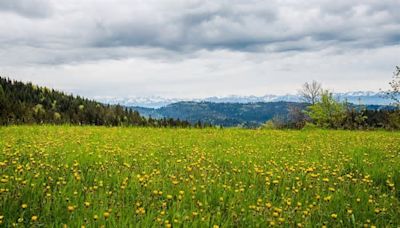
point(309, 126)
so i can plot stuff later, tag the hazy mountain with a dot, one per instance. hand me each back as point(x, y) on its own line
point(358, 97)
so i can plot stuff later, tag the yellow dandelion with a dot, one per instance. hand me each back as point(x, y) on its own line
point(70, 208)
point(349, 211)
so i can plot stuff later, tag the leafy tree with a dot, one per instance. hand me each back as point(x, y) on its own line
point(394, 94)
point(296, 117)
point(2, 93)
point(356, 118)
point(3, 106)
point(327, 113)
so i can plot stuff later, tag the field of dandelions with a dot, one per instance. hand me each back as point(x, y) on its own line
point(62, 176)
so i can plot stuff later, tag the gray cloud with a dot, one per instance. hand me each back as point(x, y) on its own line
point(187, 27)
point(193, 41)
point(255, 24)
point(27, 8)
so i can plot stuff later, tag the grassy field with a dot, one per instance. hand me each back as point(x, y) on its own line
point(142, 177)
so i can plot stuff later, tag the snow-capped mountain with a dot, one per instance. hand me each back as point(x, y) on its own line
point(356, 97)
point(148, 102)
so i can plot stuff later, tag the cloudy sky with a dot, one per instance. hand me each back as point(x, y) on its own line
point(185, 48)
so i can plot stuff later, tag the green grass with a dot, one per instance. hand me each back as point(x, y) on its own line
point(146, 177)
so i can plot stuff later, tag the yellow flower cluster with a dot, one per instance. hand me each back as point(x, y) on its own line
point(118, 177)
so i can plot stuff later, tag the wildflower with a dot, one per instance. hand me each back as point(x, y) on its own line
point(141, 211)
point(349, 211)
point(34, 218)
point(106, 215)
point(24, 206)
point(71, 208)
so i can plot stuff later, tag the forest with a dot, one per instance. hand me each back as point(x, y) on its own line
point(25, 103)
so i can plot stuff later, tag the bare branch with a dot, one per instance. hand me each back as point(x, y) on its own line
point(310, 92)
point(394, 92)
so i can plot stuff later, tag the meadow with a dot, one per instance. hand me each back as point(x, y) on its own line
point(55, 176)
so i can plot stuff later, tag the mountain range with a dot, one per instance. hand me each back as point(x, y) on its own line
point(357, 97)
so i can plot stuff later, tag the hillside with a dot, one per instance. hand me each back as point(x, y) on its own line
point(224, 114)
point(234, 114)
point(26, 103)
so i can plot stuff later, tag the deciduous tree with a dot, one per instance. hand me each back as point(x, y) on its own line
point(310, 92)
point(394, 92)
point(327, 113)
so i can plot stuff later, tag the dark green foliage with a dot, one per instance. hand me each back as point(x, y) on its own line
point(280, 114)
point(26, 103)
point(223, 114)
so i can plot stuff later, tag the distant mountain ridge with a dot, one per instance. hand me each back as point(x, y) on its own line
point(223, 114)
point(230, 114)
point(355, 97)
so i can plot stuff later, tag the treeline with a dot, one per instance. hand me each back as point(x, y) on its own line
point(324, 111)
point(25, 103)
point(244, 115)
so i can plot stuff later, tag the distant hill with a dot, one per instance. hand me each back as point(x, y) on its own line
point(228, 114)
point(223, 114)
point(25, 103)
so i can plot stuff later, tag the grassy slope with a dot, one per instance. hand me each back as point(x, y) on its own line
point(191, 177)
